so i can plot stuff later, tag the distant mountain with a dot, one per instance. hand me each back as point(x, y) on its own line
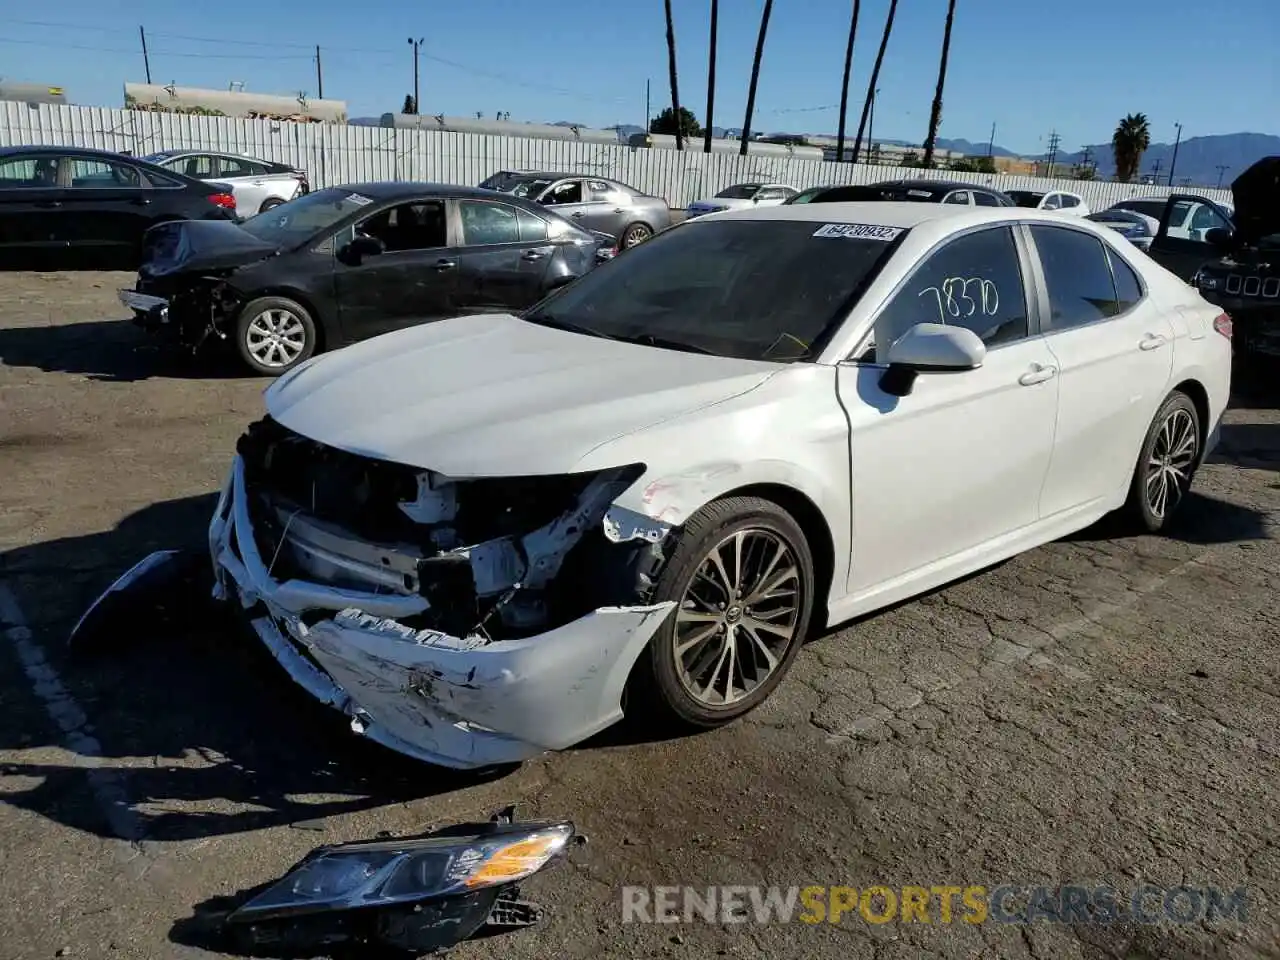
point(970, 148)
point(1198, 157)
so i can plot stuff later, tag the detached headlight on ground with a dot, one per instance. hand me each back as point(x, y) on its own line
point(355, 876)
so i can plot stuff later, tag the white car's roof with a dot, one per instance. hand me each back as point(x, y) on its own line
point(890, 214)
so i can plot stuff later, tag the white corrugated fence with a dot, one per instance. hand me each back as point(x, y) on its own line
point(336, 154)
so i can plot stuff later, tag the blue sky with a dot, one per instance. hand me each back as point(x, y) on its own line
point(1028, 67)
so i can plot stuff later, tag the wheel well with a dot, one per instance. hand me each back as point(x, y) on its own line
point(814, 526)
point(322, 333)
point(1196, 392)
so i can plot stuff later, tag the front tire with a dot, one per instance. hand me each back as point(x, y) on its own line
point(1166, 464)
point(270, 204)
point(274, 335)
point(742, 577)
point(635, 235)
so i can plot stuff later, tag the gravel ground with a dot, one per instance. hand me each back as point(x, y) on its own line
point(1104, 710)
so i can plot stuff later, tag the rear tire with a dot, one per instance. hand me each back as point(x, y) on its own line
point(274, 335)
point(750, 619)
point(1167, 464)
point(635, 235)
point(269, 204)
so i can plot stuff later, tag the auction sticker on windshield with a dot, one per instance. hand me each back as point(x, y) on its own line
point(859, 231)
point(358, 200)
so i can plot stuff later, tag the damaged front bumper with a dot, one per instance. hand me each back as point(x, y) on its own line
point(458, 701)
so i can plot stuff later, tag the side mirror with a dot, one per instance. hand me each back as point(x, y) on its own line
point(1219, 237)
point(930, 348)
point(363, 246)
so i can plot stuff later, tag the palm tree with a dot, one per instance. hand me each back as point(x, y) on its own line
point(1128, 143)
point(844, 86)
point(935, 115)
point(755, 75)
point(875, 75)
point(671, 66)
point(711, 77)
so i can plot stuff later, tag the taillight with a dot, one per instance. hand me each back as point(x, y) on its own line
point(224, 200)
point(1222, 324)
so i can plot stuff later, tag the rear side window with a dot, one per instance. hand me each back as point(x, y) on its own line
point(1068, 200)
point(986, 199)
point(531, 227)
point(1078, 276)
point(485, 223)
point(20, 172)
point(1128, 287)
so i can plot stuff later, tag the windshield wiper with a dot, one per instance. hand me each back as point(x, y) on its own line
point(555, 323)
point(649, 340)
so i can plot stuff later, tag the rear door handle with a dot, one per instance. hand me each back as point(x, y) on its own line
point(1038, 374)
point(142, 201)
point(49, 204)
point(619, 209)
point(446, 264)
point(578, 215)
point(1153, 341)
point(533, 255)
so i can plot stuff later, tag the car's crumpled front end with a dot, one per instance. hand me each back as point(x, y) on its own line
point(463, 622)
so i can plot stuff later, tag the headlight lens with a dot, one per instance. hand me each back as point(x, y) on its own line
point(356, 875)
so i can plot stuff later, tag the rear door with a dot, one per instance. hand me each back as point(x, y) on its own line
point(31, 224)
point(607, 209)
point(248, 181)
point(1180, 244)
point(106, 209)
point(572, 199)
point(1114, 351)
point(503, 254)
point(413, 280)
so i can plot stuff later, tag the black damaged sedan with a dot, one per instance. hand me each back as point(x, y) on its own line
point(346, 263)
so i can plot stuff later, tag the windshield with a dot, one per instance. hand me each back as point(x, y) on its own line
point(844, 194)
point(158, 157)
point(1025, 198)
point(297, 221)
point(757, 290)
point(742, 191)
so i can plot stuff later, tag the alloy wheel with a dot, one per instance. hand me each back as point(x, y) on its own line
point(1169, 466)
point(276, 337)
point(636, 235)
point(737, 617)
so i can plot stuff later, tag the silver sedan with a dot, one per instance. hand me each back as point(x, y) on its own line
point(257, 185)
point(597, 203)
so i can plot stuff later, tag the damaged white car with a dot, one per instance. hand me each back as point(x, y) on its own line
point(474, 537)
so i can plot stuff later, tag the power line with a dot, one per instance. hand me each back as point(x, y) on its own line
point(165, 53)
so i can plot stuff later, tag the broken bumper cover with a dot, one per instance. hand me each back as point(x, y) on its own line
point(455, 701)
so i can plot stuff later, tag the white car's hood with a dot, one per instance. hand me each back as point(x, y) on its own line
point(492, 395)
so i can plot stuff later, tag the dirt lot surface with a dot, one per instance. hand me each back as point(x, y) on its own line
point(1102, 710)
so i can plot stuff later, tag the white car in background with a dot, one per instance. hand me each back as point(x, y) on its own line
point(743, 196)
point(257, 185)
point(1189, 219)
point(1138, 228)
point(472, 536)
point(1063, 201)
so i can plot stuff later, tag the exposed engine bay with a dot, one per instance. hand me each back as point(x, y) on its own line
point(492, 558)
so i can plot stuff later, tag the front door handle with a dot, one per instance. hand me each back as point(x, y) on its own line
point(142, 201)
point(1153, 341)
point(446, 264)
point(533, 255)
point(49, 204)
point(619, 209)
point(1037, 374)
point(578, 215)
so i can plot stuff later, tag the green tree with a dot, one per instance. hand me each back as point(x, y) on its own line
point(875, 76)
point(1087, 171)
point(755, 74)
point(1129, 143)
point(677, 129)
point(665, 122)
point(844, 86)
point(935, 114)
point(909, 159)
point(410, 105)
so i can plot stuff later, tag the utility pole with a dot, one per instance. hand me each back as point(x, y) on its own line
point(146, 60)
point(1054, 140)
point(871, 120)
point(1221, 168)
point(991, 144)
point(1174, 161)
point(647, 111)
point(416, 102)
point(711, 78)
point(319, 76)
point(1155, 172)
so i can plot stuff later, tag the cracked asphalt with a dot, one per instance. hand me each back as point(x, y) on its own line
point(1104, 710)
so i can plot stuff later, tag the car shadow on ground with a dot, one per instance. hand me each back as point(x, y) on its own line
point(110, 350)
point(205, 732)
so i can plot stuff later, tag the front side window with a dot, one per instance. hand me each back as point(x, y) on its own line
point(485, 223)
point(1026, 198)
point(975, 281)
point(740, 191)
point(1069, 200)
point(1052, 202)
point(984, 199)
point(418, 225)
point(238, 167)
point(957, 196)
point(102, 174)
point(1206, 218)
point(770, 290)
point(1078, 277)
point(200, 166)
point(568, 192)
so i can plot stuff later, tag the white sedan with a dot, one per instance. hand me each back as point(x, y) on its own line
point(473, 536)
point(742, 196)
